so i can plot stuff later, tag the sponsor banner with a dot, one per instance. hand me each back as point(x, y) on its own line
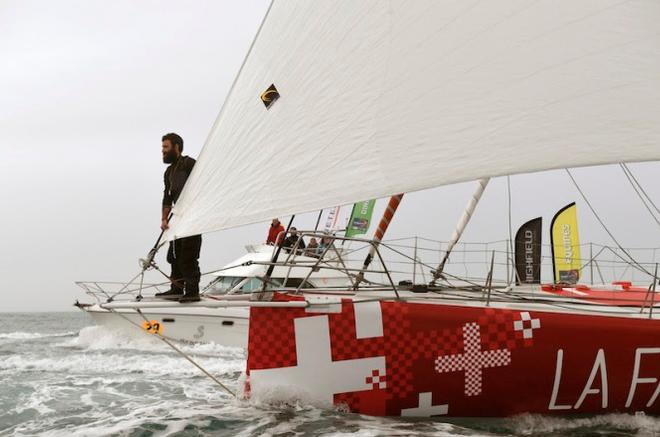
point(528, 252)
point(360, 219)
point(331, 220)
point(565, 243)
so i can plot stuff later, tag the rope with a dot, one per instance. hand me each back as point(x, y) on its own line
point(584, 197)
point(176, 349)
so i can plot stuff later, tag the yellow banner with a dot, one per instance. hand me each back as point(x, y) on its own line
point(566, 245)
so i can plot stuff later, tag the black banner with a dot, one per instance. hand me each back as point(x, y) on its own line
point(528, 252)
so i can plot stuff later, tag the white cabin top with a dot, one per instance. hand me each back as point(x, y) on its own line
point(243, 274)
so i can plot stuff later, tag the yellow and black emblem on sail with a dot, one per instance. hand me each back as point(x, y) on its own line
point(270, 96)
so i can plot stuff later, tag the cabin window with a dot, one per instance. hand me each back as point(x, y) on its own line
point(255, 284)
point(225, 283)
point(295, 283)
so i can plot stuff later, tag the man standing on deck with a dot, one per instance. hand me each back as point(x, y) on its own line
point(183, 253)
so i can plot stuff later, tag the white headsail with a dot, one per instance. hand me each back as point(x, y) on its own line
point(383, 97)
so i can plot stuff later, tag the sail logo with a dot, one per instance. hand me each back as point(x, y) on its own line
point(528, 252)
point(360, 224)
point(360, 218)
point(365, 208)
point(529, 256)
point(269, 96)
point(568, 246)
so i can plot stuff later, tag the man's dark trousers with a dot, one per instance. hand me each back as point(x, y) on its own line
point(183, 254)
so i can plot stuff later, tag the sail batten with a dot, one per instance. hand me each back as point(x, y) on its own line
point(378, 98)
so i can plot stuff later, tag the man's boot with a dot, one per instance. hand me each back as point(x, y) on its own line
point(172, 293)
point(190, 297)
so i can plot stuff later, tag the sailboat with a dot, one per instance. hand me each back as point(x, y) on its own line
point(399, 96)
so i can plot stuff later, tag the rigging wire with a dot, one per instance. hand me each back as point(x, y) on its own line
point(510, 255)
point(593, 211)
point(638, 187)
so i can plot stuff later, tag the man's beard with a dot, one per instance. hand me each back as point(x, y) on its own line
point(170, 157)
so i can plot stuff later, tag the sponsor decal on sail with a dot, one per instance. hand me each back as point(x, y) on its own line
point(565, 243)
point(269, 96)
point(528, 252)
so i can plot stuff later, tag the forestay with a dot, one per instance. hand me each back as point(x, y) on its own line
point(383, 97)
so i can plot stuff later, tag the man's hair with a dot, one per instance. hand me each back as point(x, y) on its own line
point(174, 139)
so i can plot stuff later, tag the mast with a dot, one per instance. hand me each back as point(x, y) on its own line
point(462, 224)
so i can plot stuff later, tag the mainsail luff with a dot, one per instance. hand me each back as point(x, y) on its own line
point(421, 94)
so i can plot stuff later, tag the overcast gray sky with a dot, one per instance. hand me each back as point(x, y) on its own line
point(87, 88)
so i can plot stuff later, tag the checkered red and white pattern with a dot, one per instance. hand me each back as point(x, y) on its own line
point(473, 359)
point(377, 380)
point(526, 325)
point(415, 347)
point(492, 361)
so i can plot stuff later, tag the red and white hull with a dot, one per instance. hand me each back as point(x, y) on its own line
point(400, 358)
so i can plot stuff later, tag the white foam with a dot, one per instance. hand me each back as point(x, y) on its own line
point(33, 335)
point(212, 349)
point(99, 338)
point(531, 424)
point(110, 353)
point(112, 406)
point(104, 381)
point(283, 395)
point(36, 401)
point(104, 364)
point(98, 423)
point(176, 414)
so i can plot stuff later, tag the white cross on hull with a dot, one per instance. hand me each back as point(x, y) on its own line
point(473, 360)
point(316, 377)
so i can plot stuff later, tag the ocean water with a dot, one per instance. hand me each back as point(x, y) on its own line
point(62, 376)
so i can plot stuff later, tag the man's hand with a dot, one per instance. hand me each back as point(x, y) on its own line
point(165, 217)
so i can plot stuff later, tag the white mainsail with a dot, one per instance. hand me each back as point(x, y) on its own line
point(398, 96)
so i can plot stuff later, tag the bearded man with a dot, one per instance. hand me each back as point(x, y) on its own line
point(183, 253)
